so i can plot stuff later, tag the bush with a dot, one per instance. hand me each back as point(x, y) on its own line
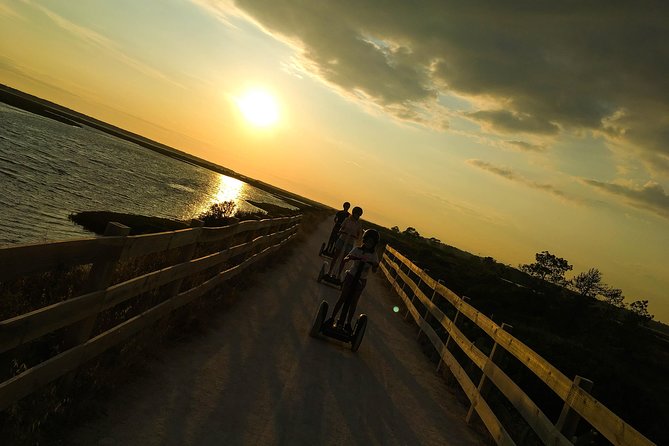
point(219, 214)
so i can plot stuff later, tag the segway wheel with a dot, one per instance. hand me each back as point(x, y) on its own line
point(359, 332)
point(319, 319)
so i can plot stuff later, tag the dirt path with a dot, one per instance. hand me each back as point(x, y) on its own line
point(259, 379)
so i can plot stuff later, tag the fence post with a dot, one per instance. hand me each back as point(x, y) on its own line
point(448, 338)
point(398, 270)
point(398, 278)
point(186, 256)
point(99, 278)
point(413, 296)
point(265, 233)
point(484, 384)
point(273, 230)
point(262, 243)
point(569, 418)
point(427, 310)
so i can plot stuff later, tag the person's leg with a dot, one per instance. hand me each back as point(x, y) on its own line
point(339, 247)
point(342, 264)
point(355, 297)
point(332, 239)
point(335, 258)
point(346, 288)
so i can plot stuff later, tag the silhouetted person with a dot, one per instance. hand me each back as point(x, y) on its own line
point(364, 258)
point(339, 218)
point(349, 233)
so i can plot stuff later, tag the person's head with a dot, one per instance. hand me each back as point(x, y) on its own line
point(347, 205)
point(370, 238)
point(356, 212)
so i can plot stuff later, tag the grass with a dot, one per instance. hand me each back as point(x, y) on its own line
point(627, 362)
point(46, 414)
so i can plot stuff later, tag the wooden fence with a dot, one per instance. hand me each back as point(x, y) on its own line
point(578, 403)
point(78, 315)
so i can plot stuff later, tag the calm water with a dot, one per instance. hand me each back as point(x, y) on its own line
point(49, 170)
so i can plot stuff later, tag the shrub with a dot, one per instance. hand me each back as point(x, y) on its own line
point(219, 214)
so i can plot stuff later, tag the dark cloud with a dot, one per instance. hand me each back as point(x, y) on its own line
point(526, 146)
point(510, 122)
point(513, 176)
point(650, 196)
point(540, 66)
point(501, 171)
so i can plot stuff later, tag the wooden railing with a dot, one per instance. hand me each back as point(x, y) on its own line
point(77, 315)
point(577, 401)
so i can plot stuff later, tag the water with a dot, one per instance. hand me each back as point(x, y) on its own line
point(49, 170)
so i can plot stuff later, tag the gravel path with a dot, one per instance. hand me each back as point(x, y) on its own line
point(259, 379)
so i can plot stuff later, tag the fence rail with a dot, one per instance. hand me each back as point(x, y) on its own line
point(80, 313)
point(576, 399)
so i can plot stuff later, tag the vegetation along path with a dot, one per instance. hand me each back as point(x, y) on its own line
point(258, 378)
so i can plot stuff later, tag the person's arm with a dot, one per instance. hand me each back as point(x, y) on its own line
point(353, 255)
point(359, 255)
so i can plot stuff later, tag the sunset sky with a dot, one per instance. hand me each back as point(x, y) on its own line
point(503, 131)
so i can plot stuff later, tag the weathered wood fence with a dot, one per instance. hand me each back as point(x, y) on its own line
point(255, 239)
point(578, 403)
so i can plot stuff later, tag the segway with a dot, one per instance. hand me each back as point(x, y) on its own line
point(327, 253)
point(324, 251)
point(320, 327)
point(324, 277)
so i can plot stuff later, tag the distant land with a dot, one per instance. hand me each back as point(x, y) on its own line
point(48, 109)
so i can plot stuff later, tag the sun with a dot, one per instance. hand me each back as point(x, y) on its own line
point(259, 107)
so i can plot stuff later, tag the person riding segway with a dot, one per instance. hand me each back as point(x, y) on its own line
point(364, 258)
point(349, 233)
point(327, 249)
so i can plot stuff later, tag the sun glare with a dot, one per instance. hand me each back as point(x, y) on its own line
point(259, 108)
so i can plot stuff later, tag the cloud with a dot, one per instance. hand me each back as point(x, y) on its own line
point(513, 176)
point(540, 67)
point(651, 196)
point(526, 146)
point(101, 42)
point(7, 11)
point(511, 122)
point(501, 171)
point(223, 10)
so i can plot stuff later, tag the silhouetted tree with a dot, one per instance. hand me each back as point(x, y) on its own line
point(434, 240)
point(395, 229)
point(411, 232)
point(640, 308)
point(548, 267)
point(614, 296)
point(218, 214)
point(589, 284)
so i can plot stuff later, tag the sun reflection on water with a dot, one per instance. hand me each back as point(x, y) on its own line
point(228, 189)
